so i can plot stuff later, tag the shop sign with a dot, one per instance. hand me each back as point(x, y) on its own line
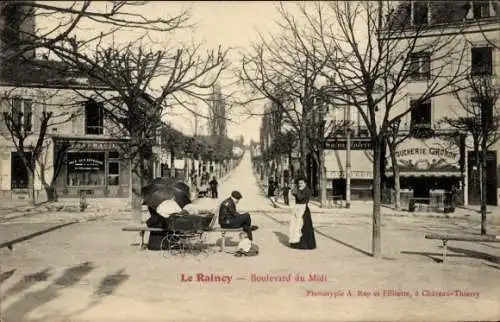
point(341, 144)
point(354, 175)
point(433, 154)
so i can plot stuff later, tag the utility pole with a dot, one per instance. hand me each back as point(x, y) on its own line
point(348, 159)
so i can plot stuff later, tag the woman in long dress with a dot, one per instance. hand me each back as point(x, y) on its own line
point(301, 231)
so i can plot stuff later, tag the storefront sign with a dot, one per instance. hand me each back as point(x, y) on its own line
point(354, 175)
point(342, 144)
point(86, 164)
point(433, 154)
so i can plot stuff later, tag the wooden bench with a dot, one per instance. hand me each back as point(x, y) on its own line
point(473, 238)
point(142, 230)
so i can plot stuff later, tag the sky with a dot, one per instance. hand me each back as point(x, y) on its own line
point(232, 24)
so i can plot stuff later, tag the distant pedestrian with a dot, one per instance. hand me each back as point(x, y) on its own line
point(213, 187)
point(270, 188)
point(286, 191)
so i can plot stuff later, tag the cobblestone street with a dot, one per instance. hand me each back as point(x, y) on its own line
point(92, 271)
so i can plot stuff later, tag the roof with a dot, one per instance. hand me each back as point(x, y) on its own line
point(47, 73)
point(442, 12)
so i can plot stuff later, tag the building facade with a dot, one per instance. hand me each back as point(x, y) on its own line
point(437, 156)
point(78, 152)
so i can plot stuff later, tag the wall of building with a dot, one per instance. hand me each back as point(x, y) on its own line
point(67, 121)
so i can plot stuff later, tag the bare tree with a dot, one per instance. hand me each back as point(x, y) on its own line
point(134, 106)
point(21, 37)
point(395, 137)
point(371, 53)
point(284, 68)
point(28, 129)
point(479, 118)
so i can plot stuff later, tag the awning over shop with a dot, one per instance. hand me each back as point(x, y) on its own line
point(361, 164)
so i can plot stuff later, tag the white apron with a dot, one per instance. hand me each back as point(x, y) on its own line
point(296, 223)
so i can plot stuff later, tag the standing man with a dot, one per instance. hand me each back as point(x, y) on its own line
point(286, 191)
point(230, 218)
point(213, 187)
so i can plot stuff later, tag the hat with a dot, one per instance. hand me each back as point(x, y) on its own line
point(236, 195)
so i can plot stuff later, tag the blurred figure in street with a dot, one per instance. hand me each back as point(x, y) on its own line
point(213, 187)
point(270, 188)
point(286, 191)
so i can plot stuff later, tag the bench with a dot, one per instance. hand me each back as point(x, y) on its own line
point(420, 201)
point(446, 237)
point(142, 230)
point(334, 201)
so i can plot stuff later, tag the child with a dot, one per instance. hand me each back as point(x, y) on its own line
point(246, 247)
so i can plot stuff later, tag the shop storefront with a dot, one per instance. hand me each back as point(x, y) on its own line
point(430, 168)
point(361, 173)
point(96, 166)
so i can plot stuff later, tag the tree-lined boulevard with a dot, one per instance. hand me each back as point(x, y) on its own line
point(94, 271)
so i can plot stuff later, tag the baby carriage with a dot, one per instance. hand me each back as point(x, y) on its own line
point(203, 190)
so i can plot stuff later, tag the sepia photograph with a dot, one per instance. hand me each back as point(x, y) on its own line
point(249, 161)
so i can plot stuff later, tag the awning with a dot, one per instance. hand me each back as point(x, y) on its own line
point(426, 174)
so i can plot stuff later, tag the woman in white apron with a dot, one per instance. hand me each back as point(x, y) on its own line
point(301, 231)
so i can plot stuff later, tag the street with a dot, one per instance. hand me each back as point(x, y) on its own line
point(93, 271)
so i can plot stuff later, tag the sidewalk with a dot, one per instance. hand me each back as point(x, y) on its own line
point(69, 208)
point(365, 208)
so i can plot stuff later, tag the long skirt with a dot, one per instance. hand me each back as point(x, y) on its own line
point(301, 231)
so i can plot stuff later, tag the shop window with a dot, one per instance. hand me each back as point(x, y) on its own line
point(86, 169)
point(94, 117)
point(420, 13)
point(481, 61)
point(22, 114)
point(421, 112)
point(481, 9)
point(19, 175)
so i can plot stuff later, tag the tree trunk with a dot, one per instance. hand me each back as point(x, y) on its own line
point(31, 186)
point(377, 180)
point(172, 164)
point(303, 158)
point(322, 178)
point(484, 200)
point(50, 191)
point(395, 172)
